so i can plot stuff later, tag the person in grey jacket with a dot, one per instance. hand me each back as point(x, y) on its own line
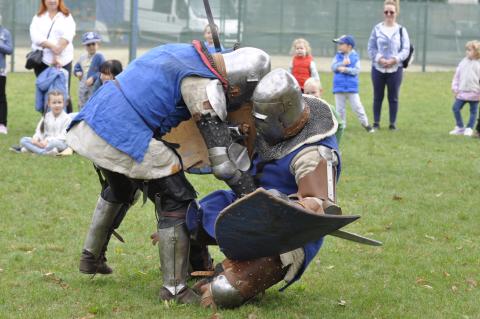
point(388, 47)
point(6, 47)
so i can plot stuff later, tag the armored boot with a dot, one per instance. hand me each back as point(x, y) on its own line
point(174, 245)
point(93, 259)
point(240, 281)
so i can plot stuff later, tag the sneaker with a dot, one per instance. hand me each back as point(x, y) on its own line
point(52, 152)
point(468, 132)
point(369, 129)
point(392, 127)
point(376, 126)
point(3, 129)
point(457, 131)
point(16, 148)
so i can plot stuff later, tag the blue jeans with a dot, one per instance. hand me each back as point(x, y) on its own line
point(28, 144)
point(393, 82)
point(457, 107)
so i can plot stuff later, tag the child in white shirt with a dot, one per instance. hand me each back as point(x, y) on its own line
point(50, 134)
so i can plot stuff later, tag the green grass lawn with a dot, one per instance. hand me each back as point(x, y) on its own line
point(416, 190)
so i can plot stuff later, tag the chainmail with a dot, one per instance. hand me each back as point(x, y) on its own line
point(321, 124)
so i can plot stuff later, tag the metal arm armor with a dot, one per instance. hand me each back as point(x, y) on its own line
point(228, 164)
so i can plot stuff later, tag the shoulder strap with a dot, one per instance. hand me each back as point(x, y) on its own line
point(50, 28)
point(401, 38)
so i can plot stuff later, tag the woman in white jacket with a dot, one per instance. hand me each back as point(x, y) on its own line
point(52, 30)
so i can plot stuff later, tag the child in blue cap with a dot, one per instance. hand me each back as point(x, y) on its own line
point(87, 69)
point(346, 66)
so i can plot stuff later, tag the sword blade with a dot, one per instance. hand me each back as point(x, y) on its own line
point(356, 238)
point(213, 29)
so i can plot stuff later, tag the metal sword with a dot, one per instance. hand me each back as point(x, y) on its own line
point(356, 238)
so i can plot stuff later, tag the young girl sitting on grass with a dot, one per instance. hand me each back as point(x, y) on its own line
point(50, 134)
point(466, 87)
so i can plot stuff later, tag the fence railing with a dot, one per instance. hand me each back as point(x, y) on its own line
point(438, 31)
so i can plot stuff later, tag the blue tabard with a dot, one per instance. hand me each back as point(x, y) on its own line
point(275, 175)
point(147, 98)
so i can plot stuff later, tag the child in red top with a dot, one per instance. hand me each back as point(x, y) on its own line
point(302, 66)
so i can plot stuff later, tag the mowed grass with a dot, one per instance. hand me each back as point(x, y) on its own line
point(417, 190)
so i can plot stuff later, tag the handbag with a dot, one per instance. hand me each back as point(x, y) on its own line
point(410, 57)
point(35, 57)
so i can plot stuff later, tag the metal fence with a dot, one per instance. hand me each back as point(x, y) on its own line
point(438, 31)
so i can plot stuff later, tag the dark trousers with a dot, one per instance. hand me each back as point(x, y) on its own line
point(172, 192)
point(392, 81)
point(67, 67)
point(3, 101)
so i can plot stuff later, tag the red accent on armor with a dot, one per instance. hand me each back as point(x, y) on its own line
point(301, 68)
point(198, 47)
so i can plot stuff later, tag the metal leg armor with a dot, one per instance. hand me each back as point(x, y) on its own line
point(173, 194)
point(229, 162)
point(242, 280)
point(93, 259)
point(174, 245)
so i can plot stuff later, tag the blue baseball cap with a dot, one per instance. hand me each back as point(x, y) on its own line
point(91, 37)
point(347, 39)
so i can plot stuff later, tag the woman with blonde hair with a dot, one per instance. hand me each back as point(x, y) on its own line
point(52, 30)
point(302, 66)
point(388, 47)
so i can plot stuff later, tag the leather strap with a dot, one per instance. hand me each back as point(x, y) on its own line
point(321, 182)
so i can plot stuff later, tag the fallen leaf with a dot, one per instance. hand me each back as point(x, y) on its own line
point(141, 272)
point(446, 274)
point(430, 237)
point(454, 288)
point(421, 281)
point(89, 316)
point(397, 197)
point(459, 247)
point(472, 283)
point(342, 303)
point(330, 267)
point(387, 227)
point(216, 316)
point(50, 276)
point(427, 286)
point(438, 195)
point(1, 270)
point(252, 316)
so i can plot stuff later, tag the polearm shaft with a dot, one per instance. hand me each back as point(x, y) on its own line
point(211, 23)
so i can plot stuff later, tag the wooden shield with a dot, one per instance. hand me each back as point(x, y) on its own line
point(192, 146)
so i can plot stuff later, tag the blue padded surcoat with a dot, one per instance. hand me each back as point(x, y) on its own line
point(145, 99)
